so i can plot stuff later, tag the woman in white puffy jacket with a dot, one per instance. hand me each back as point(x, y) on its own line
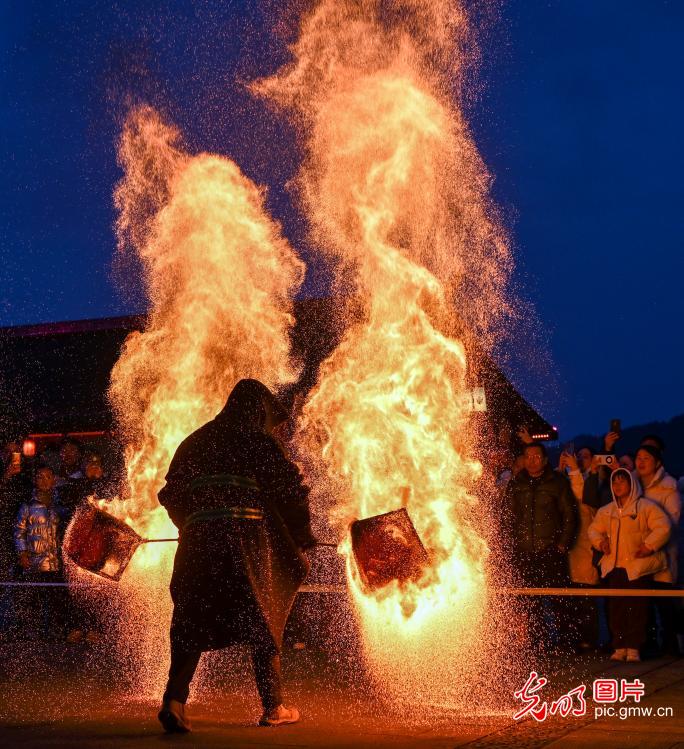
point(631, 532)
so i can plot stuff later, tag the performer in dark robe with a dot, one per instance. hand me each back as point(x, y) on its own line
point(243, 518)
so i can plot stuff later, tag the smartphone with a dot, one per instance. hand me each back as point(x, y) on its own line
point(569, 448)
point(616, 426)
point(16, 460)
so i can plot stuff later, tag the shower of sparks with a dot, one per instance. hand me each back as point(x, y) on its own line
point(397, 198)
point(220, 278)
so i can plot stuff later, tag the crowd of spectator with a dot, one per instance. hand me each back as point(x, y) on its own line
point(38, 497)
point(609, 519)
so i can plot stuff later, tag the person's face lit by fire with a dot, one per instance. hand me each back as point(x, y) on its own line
point(518, 464)
point(627, 462)
point(584, 457)
point(44, 482)
point(70, 455)
point(93, 468)
point(621, 486)
point(535, 460)
point(646, 466)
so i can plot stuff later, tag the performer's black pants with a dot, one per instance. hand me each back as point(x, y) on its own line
point(266, 661)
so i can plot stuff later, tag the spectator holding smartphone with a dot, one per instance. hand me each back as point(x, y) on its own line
point(15, 487)
point(583, 573)
point(597, 489)
point(584, 457)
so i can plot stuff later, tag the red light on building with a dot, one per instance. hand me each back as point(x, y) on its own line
point(28, 448)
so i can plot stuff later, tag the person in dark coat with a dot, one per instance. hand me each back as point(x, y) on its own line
point(542, 521)
point(243, 518)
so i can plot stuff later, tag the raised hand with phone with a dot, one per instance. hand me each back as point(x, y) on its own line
point(614, 434)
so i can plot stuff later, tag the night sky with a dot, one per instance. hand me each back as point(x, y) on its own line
point(579, 119)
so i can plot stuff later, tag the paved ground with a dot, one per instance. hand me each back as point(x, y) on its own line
point(56, 695)
point(63, 696)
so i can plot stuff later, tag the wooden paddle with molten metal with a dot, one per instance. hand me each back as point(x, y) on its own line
point(385, 547)
point(100, 543)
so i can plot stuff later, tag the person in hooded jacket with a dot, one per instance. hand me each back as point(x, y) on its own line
point(242, 513)
point(632, 532)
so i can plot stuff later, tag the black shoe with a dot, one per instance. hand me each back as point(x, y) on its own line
point(173, 717)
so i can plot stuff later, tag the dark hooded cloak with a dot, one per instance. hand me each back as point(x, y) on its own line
point(235, 576)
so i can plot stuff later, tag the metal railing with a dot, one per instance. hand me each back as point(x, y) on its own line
point(332, 588)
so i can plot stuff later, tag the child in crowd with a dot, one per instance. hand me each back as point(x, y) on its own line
point(35, 532)
point(37, 546)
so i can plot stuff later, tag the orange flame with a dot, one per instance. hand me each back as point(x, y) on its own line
point(397, 196)
point(220, 278)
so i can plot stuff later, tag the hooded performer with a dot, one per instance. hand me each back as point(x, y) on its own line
point(243, 518)
point(631, 532)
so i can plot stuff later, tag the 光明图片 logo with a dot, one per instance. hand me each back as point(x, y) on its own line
point(610, 697)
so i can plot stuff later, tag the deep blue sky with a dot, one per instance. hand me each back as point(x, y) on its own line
point(579, 120)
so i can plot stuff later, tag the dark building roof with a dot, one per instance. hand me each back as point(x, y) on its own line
point(54, 376)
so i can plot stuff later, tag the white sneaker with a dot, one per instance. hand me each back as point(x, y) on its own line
point(632, 655)
point(280, 716)
point(619, 655)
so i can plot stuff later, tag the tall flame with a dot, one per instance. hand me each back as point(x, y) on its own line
point(220, 279)
point(397, 197)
